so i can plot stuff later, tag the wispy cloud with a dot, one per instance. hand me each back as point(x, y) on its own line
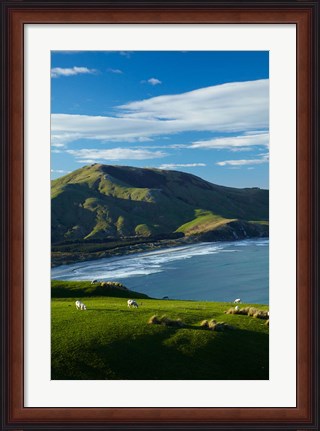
point(116, 71)
point(60, 71)
point(181, 165)
point(228, 108)
point(154, 81)
point(249, 139)
point(57, 144)
point(151, 81)
point(264, 158)
point(59, 171)
point(91, 155)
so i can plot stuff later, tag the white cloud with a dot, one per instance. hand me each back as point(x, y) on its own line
point(249, 139)
point(92, 155)
point(181, 165)
point(57, 144)
point(234, 107)
point(154, 81)
point(59, 71)
point(116, 71)
point(59, 171)
point(264, 158)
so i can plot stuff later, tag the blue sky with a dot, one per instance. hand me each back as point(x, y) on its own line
point(203, 112)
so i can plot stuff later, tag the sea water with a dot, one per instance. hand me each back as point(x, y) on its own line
point(219, 271)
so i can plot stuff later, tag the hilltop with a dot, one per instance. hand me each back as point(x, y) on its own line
point(102, 210)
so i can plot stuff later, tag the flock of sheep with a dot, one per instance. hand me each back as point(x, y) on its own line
point(82, 307)
point(132, 303)
point(210, 325)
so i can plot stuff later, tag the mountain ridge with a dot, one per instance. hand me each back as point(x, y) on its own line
point(104, 202)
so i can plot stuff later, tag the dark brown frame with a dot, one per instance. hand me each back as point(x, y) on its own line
point(14, 14)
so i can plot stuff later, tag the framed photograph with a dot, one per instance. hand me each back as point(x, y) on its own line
point(159, 215)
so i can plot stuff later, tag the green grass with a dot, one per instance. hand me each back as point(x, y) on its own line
point(111, 341)
point(204, 221)
point(83, 289)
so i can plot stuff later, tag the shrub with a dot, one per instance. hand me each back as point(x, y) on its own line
point(166, 321)
point(250, 311)
point(261, 314)
point(213, 325)
point(243, 311)
point(204, 324)
point(154, 320)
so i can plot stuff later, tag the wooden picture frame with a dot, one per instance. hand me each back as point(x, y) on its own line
point(15, 15)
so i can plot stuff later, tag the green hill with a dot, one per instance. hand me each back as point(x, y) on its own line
point(106, 203)
point(111, 341)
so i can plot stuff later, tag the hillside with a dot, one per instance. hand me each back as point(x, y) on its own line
point(103, 203)
point(97, 343)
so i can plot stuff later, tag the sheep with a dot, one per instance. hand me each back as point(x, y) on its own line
point(237, 301)
point(94, 281)
point(80, 306)
point(236, 308)
point(132, 303)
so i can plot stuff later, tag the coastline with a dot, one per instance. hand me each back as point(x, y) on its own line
point(208, 271)
point(59, 258)
point(65, 258)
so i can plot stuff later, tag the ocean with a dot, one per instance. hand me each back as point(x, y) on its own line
point(215, 271)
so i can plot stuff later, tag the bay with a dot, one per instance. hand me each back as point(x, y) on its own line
point(220, 271)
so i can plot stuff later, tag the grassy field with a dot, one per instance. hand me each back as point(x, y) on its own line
point(111, 341)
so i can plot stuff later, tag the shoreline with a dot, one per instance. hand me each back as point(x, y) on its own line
point(66, 258)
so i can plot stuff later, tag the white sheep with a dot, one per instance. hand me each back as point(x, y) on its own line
point(80, 306)
point(236, 308)
point(237, 301)
point(132, 303)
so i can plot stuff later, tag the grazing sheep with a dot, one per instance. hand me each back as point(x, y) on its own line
point(132, 303)
point(237, 301)
point(80, 306)
point(94, 281)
